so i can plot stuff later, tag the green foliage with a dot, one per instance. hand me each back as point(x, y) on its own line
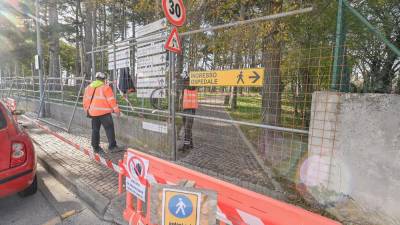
point(67, 54)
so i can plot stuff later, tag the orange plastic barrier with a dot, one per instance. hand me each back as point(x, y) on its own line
point(235, 205)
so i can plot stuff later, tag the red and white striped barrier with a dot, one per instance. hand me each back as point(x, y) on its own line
point(89, 152)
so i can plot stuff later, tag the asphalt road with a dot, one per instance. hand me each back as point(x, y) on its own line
point(52, 204)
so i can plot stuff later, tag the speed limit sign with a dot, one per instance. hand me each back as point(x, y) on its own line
point(175, 11)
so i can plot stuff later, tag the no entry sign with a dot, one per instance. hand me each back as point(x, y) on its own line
point(137, 169)
point(175, 12)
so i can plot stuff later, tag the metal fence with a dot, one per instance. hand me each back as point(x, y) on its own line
point(255, 136)
point(252, 136)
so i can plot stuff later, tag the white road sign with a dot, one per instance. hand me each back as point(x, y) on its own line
point(151, 60)
point(151, 49)
point(151, 28)
point(37, 62)
point(151, 82)
point(152, 71)
point(161, 36)
point(160, 128)
point(122, 55)
point(146, 93)
point(120, 64)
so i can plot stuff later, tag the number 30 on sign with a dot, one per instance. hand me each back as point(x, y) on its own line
point(175, 11)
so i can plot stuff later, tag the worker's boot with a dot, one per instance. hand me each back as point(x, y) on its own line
point(98, 150)
point(116, 148)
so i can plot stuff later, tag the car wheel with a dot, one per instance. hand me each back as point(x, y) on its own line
point(32, 189)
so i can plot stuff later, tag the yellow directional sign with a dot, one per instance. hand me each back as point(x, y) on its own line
point(242, 78)
point(180, 207)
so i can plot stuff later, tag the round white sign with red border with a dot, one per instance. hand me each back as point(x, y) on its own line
point(137, 168)
point(175, 12)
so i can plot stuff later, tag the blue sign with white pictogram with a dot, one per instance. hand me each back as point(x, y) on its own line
point(180, 206)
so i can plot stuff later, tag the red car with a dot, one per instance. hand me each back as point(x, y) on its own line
point(17, 157)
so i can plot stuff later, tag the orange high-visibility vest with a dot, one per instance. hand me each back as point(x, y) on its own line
point(190, 99)
point(103, 101)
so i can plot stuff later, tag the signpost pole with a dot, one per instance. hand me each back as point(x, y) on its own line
point(172, 94)
point(39, 53)
point(339, 49)
point(115, 70)
point(93, 40)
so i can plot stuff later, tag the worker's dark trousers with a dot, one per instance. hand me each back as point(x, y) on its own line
point(188, 125)
point(108, 124)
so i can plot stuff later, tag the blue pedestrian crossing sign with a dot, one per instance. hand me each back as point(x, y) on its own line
point(180, 207)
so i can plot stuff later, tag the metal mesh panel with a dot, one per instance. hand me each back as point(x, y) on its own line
point(253, 136)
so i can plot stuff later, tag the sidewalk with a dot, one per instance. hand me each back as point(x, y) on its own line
point(96, 184)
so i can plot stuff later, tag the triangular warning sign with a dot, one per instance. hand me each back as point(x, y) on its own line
point(174, 42)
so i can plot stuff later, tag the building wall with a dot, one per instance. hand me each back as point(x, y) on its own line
point(354, 152)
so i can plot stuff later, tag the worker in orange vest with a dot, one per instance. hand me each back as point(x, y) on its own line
point(190, 104)
point(99, 102)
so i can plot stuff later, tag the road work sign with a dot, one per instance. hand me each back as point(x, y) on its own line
point(242, 78)
point(173, 43)
point(137, 168)
point(180, 207)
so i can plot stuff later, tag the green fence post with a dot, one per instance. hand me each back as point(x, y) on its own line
point(340, 74)
point(371, 28)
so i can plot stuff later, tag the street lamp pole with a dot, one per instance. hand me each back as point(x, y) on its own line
point(40, 64)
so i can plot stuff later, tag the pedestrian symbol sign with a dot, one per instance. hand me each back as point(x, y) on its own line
point(180, 207)
point(239, 78)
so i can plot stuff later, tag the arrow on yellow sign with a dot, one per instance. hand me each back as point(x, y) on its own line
point(256, 77)
point(253, 77)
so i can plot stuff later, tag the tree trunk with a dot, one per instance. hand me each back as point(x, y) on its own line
point(398, 86)
point(89, 23)
point(271, 94)
point(238, 57)
point(104, 36)
point(178, 77)
point(77, 39)
point(133, 51)
point(54, 45)
point(271, 91)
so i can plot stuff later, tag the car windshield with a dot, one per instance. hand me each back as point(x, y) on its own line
point(3, 121)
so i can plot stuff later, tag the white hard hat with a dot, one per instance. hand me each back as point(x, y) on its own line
point(100, 75)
